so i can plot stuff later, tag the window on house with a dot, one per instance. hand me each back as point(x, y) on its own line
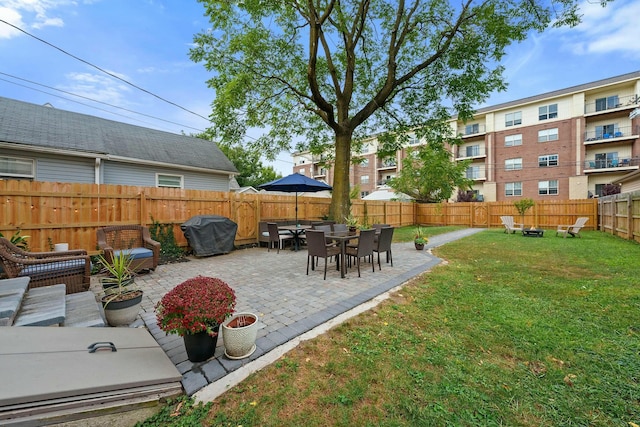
point(302, 171)
point(547, 187)
point(606, 160)
point(170, 181)
point(473, 172)
point(365, 149)
point(473, 150)
point(548, 112)
point(363, 194)
point(606, 131)
point(513, 119)
point(607, 103)
point(549, 160)
point(512, 140)
point(513, 189)
point(548, 135)
point(16, 167)
point(413, 140)
point(600, 189)
point(513, 164)
point(364, 179)
point(472, 129)
point(365, 163)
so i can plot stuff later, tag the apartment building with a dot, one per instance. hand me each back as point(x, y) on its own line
point(565, 144)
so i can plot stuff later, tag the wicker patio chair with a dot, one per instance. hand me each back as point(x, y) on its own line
point(317, 247)
point(383, 244)
point(72, 268)
point(364, 248)
point(134, 240)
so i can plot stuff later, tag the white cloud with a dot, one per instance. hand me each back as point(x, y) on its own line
point(27, 14)
point(98, 87)
point(606, 30)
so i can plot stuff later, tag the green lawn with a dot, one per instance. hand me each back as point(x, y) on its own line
point(509, 331)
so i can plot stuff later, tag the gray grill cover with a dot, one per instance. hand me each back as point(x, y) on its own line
point(210, 234)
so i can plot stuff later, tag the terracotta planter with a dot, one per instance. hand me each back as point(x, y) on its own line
point(200, 346)
point(239, 335)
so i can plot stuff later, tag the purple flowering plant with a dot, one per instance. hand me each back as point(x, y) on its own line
point(196, 305)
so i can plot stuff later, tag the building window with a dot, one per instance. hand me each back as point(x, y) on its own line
point(547, 187)
point(548, 135)
point(473, 150)
point(607, 103)
point(365, 163)
point(302, 171)
point(473, 172)
point(512, 140)
point(607, 160)
point(413, 140)
point(364, 194)
point(16, 167)
point(472, 129)
point(548, 112)
point(364, 179)
point(513, 164)
point(365, 149)
point(169, 181)
point(513, 119)
point(550, 160)
point(600, 189)
point(513, 189)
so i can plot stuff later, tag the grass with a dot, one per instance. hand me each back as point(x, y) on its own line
point(508, 331)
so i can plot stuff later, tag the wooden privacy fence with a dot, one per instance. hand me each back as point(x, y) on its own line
point(620, 215)
point(544, 214)
point(52, 212)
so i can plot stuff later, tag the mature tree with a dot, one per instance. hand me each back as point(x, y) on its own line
point(248, 162)
point(328, 72)
point(430, 175)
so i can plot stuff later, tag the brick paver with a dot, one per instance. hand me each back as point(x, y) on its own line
point(276, 288)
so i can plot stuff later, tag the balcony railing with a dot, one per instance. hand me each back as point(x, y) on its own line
point(619, 132)
point(612, 104)
point(467, 152)
point(628, 162)
point(471, 130)
point(387, 164)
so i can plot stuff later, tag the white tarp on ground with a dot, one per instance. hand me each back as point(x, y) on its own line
point(387, 193)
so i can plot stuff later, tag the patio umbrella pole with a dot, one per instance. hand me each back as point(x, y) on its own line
point(296, 208)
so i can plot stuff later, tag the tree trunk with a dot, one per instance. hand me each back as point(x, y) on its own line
point(340, 202)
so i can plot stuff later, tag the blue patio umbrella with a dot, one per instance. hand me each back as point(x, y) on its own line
point(296, 183)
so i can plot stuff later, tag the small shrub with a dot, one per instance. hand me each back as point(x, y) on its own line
point(169, 249)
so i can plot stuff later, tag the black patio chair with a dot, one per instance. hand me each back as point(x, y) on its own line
point(383, 244)
point(317, 247)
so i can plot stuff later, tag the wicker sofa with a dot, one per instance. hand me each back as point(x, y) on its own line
point(134, 240)
point(72, 268)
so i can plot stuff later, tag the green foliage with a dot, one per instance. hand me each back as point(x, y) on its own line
point(18, 240)
point(328, 74)
point(163, 233)
point(179, 412)
point(429, 174)
point(120, 276)
point(523, 205)
point(420, 237)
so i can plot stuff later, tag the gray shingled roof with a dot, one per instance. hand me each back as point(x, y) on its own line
point(40, 126)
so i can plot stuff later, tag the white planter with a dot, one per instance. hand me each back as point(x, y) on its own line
point(240, 341)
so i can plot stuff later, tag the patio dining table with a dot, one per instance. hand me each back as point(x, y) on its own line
point(342, 237)
point(296, 230)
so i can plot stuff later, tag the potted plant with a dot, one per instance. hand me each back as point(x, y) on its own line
point(239, 335)
point(195, 309)
point(420, 239)
point(121, 300)
point(352, 223)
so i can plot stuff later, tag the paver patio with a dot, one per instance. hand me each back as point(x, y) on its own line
point(276, 288)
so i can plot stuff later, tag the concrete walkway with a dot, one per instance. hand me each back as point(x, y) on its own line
point(289, 303)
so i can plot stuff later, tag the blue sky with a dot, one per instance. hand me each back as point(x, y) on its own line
point(146, 42)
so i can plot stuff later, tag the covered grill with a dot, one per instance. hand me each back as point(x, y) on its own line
point(210, 234)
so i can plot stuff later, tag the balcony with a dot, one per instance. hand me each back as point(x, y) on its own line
point(611, 103)
point(471, 152)
point(611, 165)
point(472, 130)
point(387, 164)
point(612, 134)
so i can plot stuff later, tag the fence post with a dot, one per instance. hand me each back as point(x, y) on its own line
point(143, 209)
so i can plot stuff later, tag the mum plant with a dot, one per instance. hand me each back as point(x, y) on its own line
point(199, 304)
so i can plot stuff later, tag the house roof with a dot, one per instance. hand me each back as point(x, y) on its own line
point(43, 127)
